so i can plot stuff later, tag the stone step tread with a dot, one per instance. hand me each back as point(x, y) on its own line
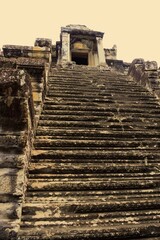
point(91, 77)
point(61, 199)
point(97, 100)
point(141, 123)
point(43, 135)
point(92, 232)
point(113, 118)
point(98, 86)
point(104, 166)
point(124, 100)
point(101, 143)
point(96, 222)
point(61, 85)
point(88, 177)
point(95, 81)
point(96, 206)
point(128, 215)
point(117, 193)
point(50, 134)
point(95, 154)
point(102, 108)
point(146, 161)
point(101, 131)
point(96, 185)
point(46, 177)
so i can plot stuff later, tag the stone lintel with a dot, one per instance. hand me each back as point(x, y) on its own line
point(82, 31)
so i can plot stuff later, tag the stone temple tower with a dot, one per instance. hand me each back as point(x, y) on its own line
point(81, 45)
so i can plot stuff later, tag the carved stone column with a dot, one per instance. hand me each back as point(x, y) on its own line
point(65, 47)
point(101, 54)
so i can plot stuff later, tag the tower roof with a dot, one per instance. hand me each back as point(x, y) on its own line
point(81, 29)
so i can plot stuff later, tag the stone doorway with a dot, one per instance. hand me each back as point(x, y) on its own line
point(80, 58)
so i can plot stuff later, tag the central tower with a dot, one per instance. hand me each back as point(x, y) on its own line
point(81, 45)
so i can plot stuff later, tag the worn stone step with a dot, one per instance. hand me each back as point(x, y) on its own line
point(153, 173)
point(38, 197)
point(78, 112)
point(97, 113)
point(103, 144)
point(101, 124)
point(126, 216)
point(71, 117)
point(70, 133)
point(79, 100)
point(118, 193)
point(95, 154)
point(74, 89)
point(88, 222)
point(93, 232)
point(103, 108)
point(146, 161)
point(95, 207)
point(88, 186)
point(92, 167)
point(61, 123)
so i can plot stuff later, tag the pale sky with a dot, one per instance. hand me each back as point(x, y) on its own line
point(133, 25)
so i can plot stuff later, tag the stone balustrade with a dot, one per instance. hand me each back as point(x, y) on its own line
point(146, 73)
point(23, 84)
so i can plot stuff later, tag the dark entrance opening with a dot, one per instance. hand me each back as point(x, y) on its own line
point(80, 58)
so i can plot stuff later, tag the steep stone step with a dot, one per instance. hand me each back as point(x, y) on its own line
point(126, 216)
point(93, 232)
point(93, 176)
point(102, 144)
point(103, 108)
point(144, 115)
point(87, 167)
point(95, 207)
point(121, 194)
point(105, 117)
point(70, 133)
point(95, 154)
point(101, 124)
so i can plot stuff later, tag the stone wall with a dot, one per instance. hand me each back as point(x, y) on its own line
point(23, 84)
point(146, 73)
point(16, 130)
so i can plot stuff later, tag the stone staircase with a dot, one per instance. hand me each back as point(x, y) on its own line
point(94, 172)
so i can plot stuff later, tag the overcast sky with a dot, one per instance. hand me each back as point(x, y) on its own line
point(133, 25)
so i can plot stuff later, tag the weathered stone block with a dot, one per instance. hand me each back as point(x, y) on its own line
point(8, 179)
point(43, 42)
point(9, 211)
point(151, 66)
